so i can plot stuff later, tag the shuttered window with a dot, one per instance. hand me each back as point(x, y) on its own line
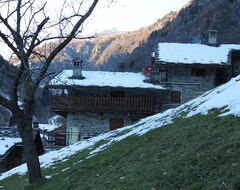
point(198, 72)
point(175, 96)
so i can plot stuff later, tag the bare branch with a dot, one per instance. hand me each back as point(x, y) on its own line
point(9, 44)
point(19, 16)
point(8, 104)
point(62, 45)
point(30, 22)
point(35, 35)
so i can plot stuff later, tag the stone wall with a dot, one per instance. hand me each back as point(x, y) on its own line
point(180, 79)
point(83, 125)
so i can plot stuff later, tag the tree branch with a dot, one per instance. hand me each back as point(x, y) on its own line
point(64, 43)
point(8, 104)
point(9, 44)
point(35, 35)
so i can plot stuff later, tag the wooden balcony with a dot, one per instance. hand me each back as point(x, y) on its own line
point(65, 104)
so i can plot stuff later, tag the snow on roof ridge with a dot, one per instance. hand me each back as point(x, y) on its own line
point(188, 53)
point(104, 78)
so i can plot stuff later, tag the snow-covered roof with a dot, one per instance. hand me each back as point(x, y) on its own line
point(194, 53)
point(104, 79)
point(48, 127)
point(8, 138)
point(53, 123)
point(6, 143)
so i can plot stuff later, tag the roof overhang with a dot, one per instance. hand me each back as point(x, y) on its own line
point(213, 65)
point(62, 87)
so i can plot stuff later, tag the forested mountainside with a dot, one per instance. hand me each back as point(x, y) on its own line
point(131, 51)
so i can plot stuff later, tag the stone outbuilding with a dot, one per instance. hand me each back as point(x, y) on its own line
point(189, 70)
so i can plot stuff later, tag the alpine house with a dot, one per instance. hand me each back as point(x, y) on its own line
point(96, 102)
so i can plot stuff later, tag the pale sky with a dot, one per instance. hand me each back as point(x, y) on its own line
point(127, 15)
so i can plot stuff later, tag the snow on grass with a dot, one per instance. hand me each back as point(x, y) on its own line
point(225, 96)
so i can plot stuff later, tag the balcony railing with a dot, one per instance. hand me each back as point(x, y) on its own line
point(101, 104)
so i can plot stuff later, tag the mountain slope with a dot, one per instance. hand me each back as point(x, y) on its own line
point(131, 51)
point(182, 147)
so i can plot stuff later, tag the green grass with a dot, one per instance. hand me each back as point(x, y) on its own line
point(202, 152)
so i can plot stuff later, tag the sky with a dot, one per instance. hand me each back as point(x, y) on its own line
point(128, 15)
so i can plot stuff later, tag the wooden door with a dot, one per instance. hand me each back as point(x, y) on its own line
point(115, 123)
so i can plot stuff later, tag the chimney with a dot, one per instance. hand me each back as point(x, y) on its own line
point(212, 38)
point(77, 68)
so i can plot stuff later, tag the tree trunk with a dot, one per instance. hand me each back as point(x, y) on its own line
point(30, 153)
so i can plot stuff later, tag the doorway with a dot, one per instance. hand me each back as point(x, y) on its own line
point(235, 60)
point(115, 123)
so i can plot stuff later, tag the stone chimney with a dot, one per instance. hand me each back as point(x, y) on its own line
point(212, 38)
point(77, 68)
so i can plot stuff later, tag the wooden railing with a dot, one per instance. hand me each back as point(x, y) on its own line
point(101, 104)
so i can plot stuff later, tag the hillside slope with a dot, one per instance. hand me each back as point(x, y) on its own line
point(194, 146)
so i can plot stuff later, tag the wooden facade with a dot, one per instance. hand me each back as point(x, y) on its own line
point(65, 104)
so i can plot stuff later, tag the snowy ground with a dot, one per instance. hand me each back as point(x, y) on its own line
point(225, 97)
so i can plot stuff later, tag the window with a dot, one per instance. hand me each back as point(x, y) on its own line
point(198, 72)
point(117, 94)
point(175, 96)
point(76, 64)
point(163, 76)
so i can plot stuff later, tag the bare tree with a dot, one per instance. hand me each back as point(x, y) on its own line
point(26, 28)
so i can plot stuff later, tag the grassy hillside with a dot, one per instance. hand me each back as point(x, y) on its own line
point(200, 152)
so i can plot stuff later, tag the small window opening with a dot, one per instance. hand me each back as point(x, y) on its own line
point(198, 72)
point(175, 96)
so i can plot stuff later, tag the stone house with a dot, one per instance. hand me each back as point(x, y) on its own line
point(95, 102)
point(189, 70)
